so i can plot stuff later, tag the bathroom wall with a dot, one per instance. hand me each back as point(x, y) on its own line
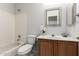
point(7, 19)
point(57, 30)
point(77, 20)
point(29, 19)
point(74, 29)
point(32, 16)
point(20, 24)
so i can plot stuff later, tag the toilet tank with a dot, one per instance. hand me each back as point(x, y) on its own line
point(31, 39)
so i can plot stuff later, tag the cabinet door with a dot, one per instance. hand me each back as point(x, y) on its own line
point(67, 48)
point(71, 48)
point(54, 47)
point(57, 48)
point(44, 47)
point(61, 48)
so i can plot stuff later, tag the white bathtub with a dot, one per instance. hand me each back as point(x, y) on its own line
point(10, 50)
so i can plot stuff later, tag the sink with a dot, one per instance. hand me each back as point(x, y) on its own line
point(58, 37)
point(77, 38)
point(51, 36)
point(48, 36)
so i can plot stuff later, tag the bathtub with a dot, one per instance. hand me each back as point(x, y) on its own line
point(9, 50)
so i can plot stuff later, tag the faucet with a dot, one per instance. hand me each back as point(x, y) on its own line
point(65, 34)
point(19, 38)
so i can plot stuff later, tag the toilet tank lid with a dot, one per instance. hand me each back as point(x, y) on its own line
point(24, 48)
point(32, 35)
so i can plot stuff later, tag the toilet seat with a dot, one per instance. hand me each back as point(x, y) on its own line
point(24, 49)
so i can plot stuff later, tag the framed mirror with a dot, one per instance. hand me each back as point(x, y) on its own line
point(53, 17)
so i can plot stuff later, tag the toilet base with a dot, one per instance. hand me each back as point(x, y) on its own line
point(28, 54)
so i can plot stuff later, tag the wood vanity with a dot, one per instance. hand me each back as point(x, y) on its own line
point(47, 47)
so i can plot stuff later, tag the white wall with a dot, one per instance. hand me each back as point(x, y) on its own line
point(32, 16)
point(7, 19)
point(58, 29)
point(74, 30)
point(29, 19)
point(20, 24)
point(35, 16)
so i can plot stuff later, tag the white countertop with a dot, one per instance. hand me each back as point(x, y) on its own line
point(49, 37)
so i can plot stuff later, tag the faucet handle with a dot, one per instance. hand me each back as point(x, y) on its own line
point(19, 36)
point(18, 39)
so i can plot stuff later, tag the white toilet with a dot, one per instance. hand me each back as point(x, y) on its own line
point(25, 49)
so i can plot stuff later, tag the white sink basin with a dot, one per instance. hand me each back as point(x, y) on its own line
point(45, 36)
point(50, 36)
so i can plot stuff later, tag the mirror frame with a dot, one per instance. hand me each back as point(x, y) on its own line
point(59, 16)
point(74, 13)
point(73, 16)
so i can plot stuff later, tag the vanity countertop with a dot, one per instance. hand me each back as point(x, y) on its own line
point(49, 37)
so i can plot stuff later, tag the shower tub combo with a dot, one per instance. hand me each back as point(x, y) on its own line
point(10, 50)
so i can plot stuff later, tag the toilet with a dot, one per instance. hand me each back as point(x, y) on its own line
point(26, 48)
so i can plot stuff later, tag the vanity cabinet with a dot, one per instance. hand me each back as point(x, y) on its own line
point(71, 48)
point(46, 47)
point(67, 48)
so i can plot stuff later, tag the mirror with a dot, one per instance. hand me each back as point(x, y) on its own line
point(71, 14)
point(53, 17)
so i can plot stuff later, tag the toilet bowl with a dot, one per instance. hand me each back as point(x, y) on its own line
point(25, 49)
